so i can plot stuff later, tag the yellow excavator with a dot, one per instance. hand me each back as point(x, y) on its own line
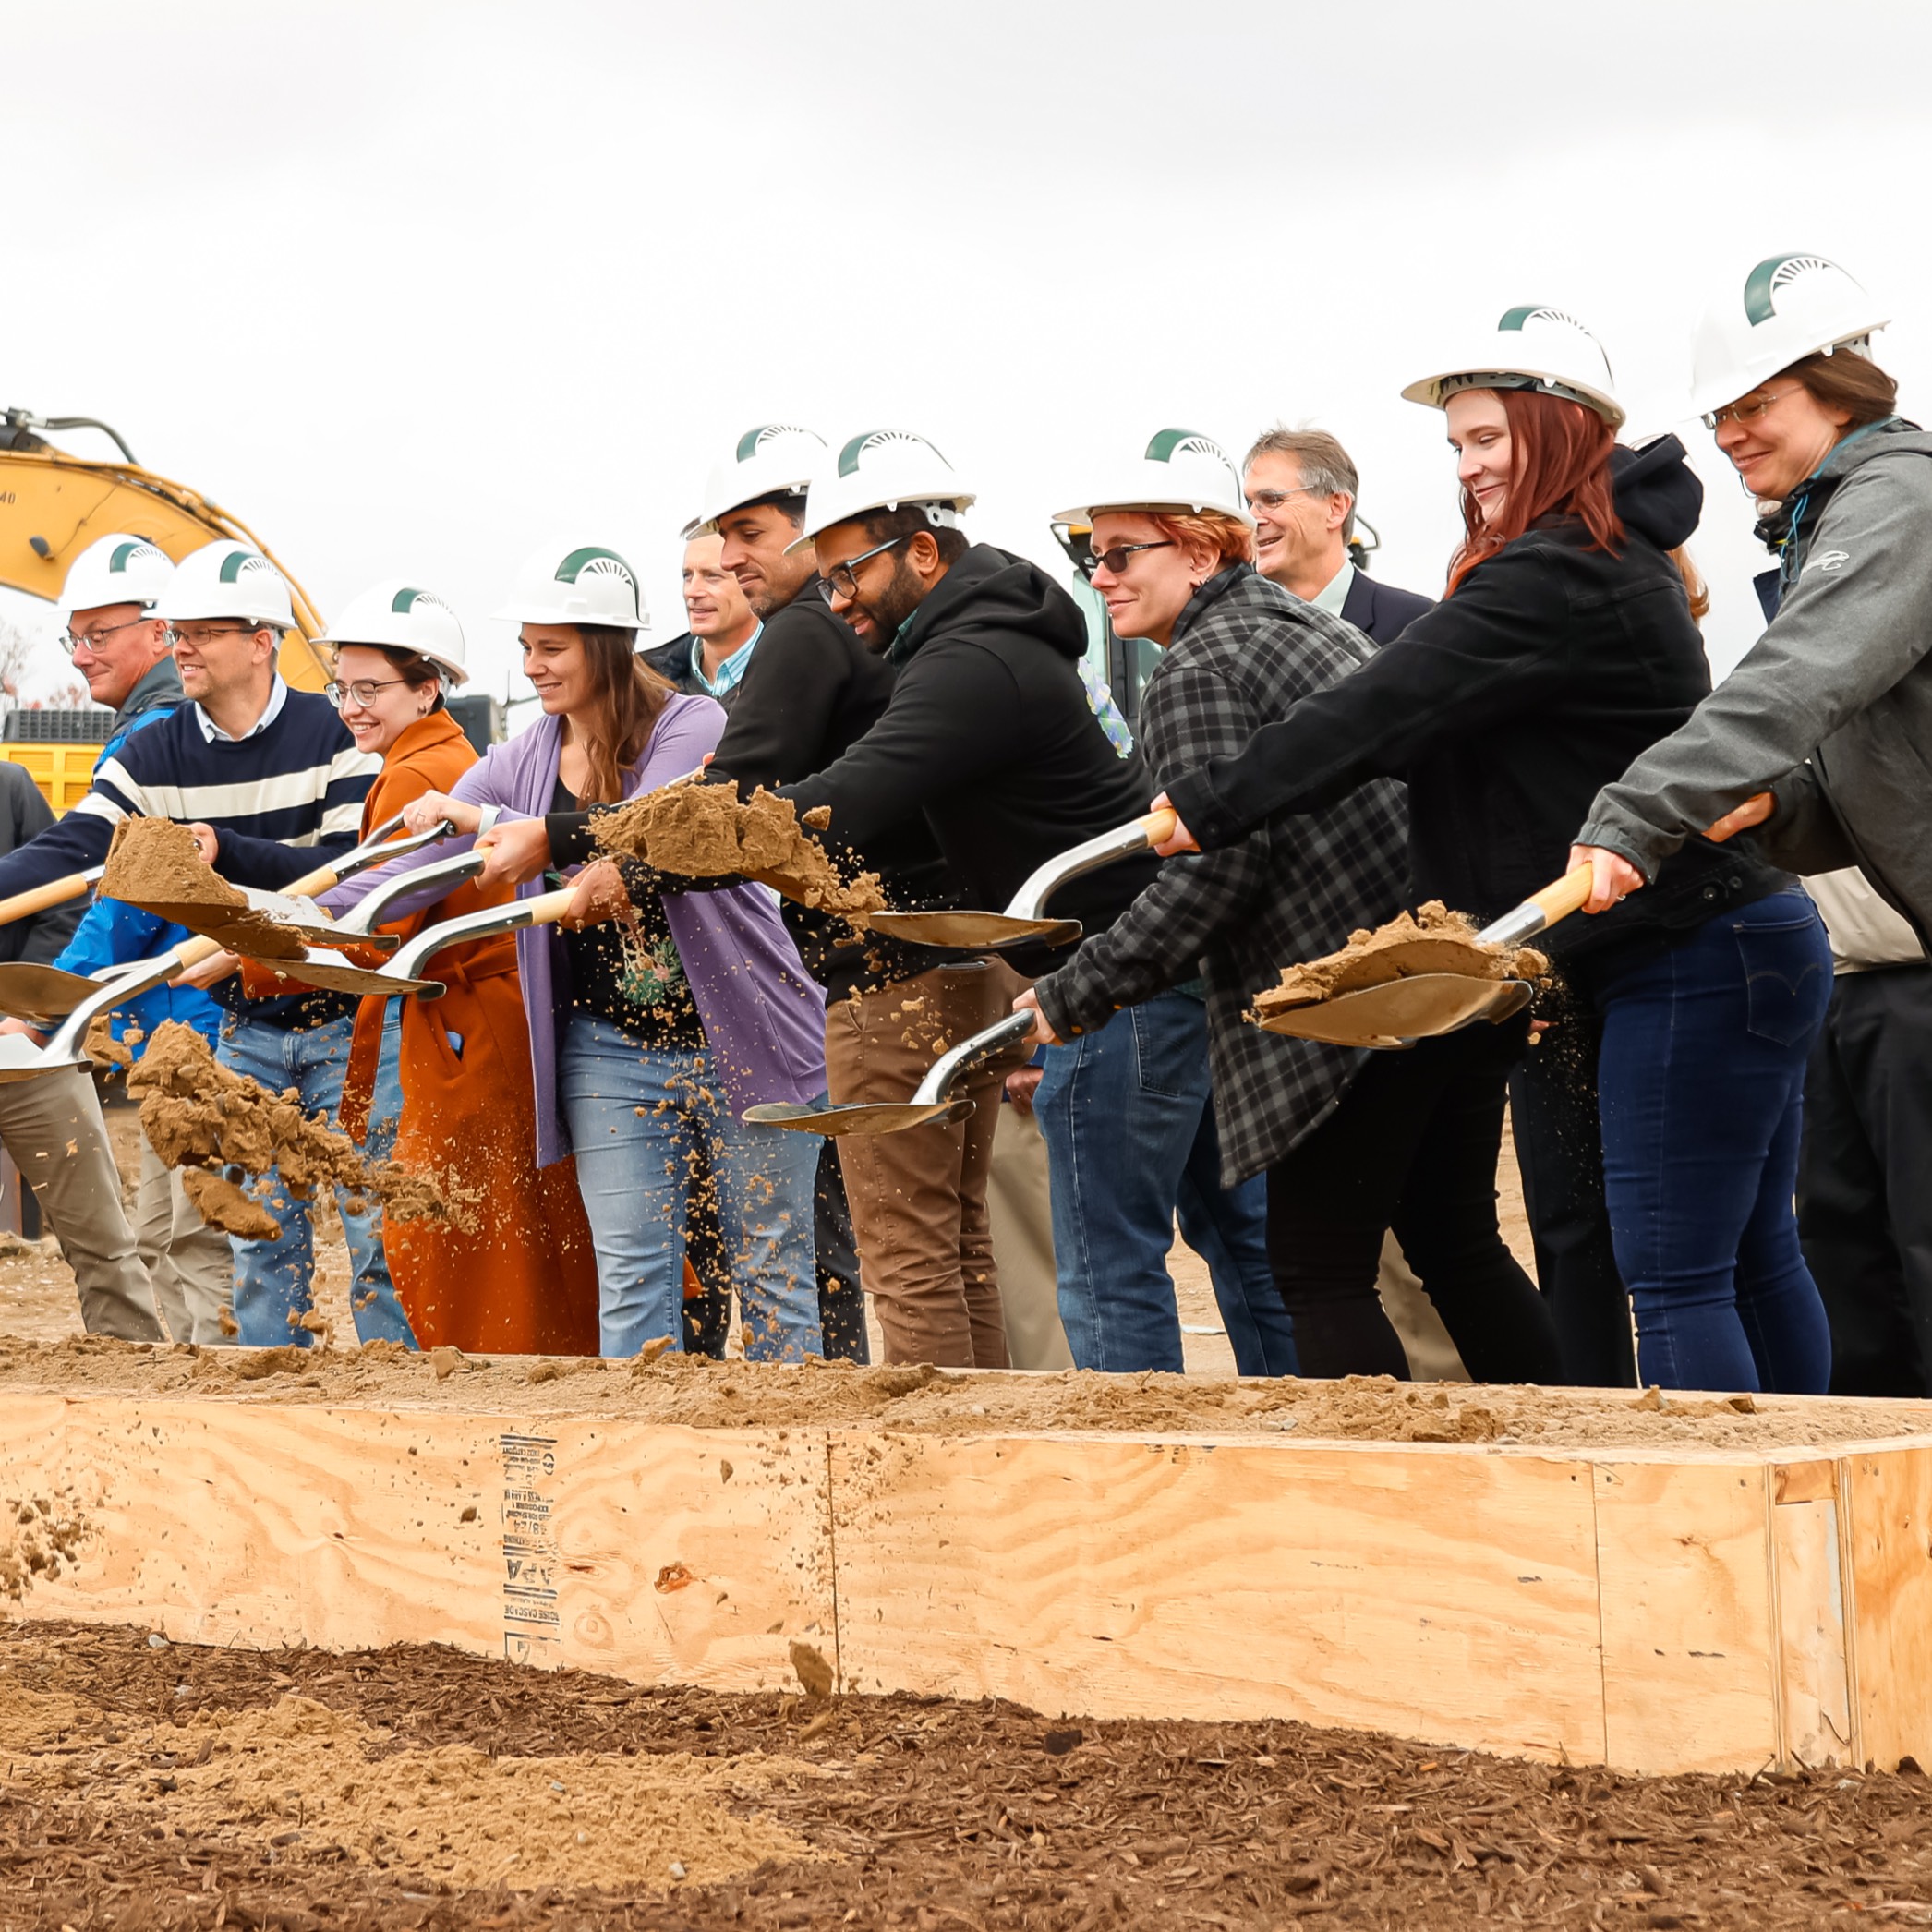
point(52, 506)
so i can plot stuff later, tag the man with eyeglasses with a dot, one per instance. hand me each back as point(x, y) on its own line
point(1301, 486)
point(271, 782)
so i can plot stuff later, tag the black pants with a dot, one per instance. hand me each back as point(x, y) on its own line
point(1864, 1181)
point(841, 1301)
point(1413, 1146)
point(1552, 1105)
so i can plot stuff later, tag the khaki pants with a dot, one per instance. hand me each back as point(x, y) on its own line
point(1020, 1210)
point(918, 1198)
point(191, 1264)
point(53, 1128)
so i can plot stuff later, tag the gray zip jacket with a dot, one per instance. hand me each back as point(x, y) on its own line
point(1830, 710)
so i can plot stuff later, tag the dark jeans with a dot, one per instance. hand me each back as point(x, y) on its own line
point(1864, 1181)
point(1700, 1081)
point(1553, 1107)
point(1412, 1146)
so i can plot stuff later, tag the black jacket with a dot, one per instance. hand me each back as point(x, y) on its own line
point(811, 692)
point(672, 661)
point(1549, 668)
point(25, 814)
point(990, 736)
point(1379, 611)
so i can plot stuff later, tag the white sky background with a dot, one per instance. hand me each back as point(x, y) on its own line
point(409, 286)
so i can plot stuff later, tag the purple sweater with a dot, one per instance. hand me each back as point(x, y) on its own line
point(763, 1016)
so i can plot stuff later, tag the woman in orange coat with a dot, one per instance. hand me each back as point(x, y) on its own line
point(522, 1278)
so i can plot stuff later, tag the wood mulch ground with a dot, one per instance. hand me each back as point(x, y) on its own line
point(953, 1818)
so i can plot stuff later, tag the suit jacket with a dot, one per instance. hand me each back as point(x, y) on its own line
point(1379, 611)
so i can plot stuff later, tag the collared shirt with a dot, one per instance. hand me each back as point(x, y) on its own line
point(1334, 594)
point(278, 696)
point(729, 673)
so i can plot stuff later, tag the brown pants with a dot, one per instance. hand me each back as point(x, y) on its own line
point(918, 1198)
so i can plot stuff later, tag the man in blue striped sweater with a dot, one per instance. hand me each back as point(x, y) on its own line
point(273, 783)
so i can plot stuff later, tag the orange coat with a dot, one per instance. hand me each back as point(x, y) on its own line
point(524, 1279)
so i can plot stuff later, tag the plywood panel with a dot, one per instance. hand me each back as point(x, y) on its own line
point(1888, 1504)
point(556, 1540)
point(1440, 1593)
point(1689, 1658)
point(1814, 1691)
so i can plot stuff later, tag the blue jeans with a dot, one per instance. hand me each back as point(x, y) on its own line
point(636, 1117)
point(1701, 1078)
point(272, 1278)
point(1129, 1131)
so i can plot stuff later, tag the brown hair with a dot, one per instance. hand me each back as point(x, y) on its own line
point(1232, 539)
point(1326, 467)
point(1847, 380)
point(414, 671)
point(626, 697)
point(1694, 587)
point(1559, 467)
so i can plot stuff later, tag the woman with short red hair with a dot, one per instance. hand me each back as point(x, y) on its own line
point(1564, 646)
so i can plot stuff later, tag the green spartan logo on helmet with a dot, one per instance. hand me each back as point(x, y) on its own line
point(591, 561)
point(1775, 272)
point(753, 440)
point(850, 455)
point(136, 552)
point(1171, 444)
point(1513, 318)
point(238, 565)
point(407, 599)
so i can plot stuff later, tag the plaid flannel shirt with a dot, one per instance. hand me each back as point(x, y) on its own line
point(1243, 651)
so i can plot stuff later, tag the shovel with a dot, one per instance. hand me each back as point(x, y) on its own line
point(931, 1102)
point(55, 892)
point(1424, 1004)
point(1022, 923)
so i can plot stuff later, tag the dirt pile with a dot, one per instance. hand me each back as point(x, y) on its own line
point(704, 831)
point(1432, 939)
point(154, 864)
point(198, 1114)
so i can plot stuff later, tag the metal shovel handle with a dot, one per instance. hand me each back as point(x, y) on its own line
point(448, 873)
point(1123, 842)
point(545, 909)
point(972, 1053)
point(1539, 910)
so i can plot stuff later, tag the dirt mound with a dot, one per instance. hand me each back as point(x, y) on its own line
point(704, 831)
point(1432, 939)
point(154, 864)
point(198, 1114)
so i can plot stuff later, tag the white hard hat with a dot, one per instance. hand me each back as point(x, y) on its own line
point(770, 459)
point(227, 579)
point(1534, 347)
point(1180, 470)
point(1790, 306)
point(881, 470)
point(116, 570)
point(564, 582)
point(395, 616)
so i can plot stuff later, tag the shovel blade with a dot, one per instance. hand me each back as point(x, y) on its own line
point(972, 932)
point(30, 991)
point(880, 1117)
point(334, 974)
point(21, 1059)
point(1398, 1014)
point(274, 926)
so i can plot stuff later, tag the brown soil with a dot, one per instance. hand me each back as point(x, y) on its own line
point(196, 1113)
point(153, 863)
point(1432, 940)
point(223, 1204)
point(101, 1047)
point(118, 1810)
point(703, 831)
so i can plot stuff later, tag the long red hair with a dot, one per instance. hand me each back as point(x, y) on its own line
point(1559, 469)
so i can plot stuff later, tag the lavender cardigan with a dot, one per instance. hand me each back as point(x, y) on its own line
point(763, 1016)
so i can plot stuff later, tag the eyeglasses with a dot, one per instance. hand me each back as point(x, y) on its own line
point(93, 639)
point(361, 693)
point(199, 635)
point(842, 579)
point(1747, 411)
point(1274, 499)
point(1115, 558)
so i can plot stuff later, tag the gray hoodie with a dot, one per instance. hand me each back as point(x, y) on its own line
point(1832, 709)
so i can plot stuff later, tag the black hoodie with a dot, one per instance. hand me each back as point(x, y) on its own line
point(989, 734)
point(1548, 670)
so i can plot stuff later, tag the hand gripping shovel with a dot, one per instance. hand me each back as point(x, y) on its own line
point(932, 1102)
point(1023, 921)
point(1423, 1004)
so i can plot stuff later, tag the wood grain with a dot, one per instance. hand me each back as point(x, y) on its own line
point(1888, 1499)
point(1815, 1700)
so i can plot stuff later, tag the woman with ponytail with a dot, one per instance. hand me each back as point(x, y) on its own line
point(1564, 646)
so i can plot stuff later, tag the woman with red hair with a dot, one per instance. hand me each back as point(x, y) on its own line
point(1564, 646)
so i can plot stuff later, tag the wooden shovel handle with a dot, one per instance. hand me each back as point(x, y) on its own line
point(55, 892)
point(1160, 826)
point(1566, 896)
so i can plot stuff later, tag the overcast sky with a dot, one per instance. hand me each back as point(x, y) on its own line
point(409, 286)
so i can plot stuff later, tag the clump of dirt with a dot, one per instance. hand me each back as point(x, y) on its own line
point(704, 831)
point(1432, 939)
point(223, 1204)
point(155, 863)
point(36, 1537)
point(198, 1114)
point(101, 1047)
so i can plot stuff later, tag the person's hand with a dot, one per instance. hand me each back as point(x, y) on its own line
point(519, 849)
point(11, 1025)
point(1042, 1034)
point(598, 894)
point(208, 841)
point(1754, 811)
point(425, 814)
point(1182, 841)
point(211, 970)
point(1612, 876)
point(1021, 1085)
